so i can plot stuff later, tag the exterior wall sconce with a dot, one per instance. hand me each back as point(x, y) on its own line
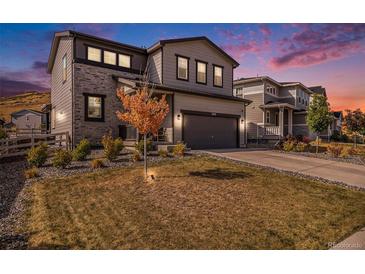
point(178, 116)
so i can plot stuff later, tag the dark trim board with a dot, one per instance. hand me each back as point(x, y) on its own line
point(177, 67)
point(102, 65)
point(213, 114)
point(86, 103)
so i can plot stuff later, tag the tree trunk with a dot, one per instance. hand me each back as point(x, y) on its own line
point(145, 154)
point(317, 143)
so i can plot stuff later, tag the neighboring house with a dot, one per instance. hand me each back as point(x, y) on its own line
point(337, 121)
point(195, 75)
point(28, 119)
point(277, 109)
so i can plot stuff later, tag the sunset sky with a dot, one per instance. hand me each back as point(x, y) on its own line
point(331, 55)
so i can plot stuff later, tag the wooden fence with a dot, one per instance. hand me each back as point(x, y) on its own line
point(15, 132)
point(20, 145)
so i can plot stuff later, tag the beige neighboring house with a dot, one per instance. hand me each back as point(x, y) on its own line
point(194, 73)
point(28, 119)
point(278, 108)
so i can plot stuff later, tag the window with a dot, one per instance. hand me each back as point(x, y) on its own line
point(53, 117)
point(110, 57)
point(268, 117)
point(201, 72)
point(94, 107)
point(27, 118)
point(64, 68)
point(182, 68)
point(124, 60)
point(217, 76)
point(94, 54)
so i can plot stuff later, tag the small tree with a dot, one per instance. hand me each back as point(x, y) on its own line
point(354, 123)
point(319, 116)
point(144, 112)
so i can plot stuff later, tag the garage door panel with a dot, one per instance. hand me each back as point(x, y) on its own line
point(206, 132)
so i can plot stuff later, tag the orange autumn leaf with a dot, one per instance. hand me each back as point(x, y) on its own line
point(142, 111)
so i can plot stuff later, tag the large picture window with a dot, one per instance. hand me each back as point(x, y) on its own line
point(182, 68)
point(124, 61)
point(110, 57)
point(201, 72)
point(217, 76)
point(94, 54)
point(94, 107)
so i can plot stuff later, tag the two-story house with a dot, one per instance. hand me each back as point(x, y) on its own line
point(194, 73)
point(277, 109)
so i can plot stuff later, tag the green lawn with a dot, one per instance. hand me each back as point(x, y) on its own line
point(194, 203)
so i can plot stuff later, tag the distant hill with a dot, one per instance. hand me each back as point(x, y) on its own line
point(28, 100)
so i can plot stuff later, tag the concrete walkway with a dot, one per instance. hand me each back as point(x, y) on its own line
point(350, 174)
point(354, 242)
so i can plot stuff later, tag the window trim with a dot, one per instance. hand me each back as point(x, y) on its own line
point(130, 60)
point(64, 69)
point(177, 67)
point(268, 116)
point(86, 106)
point(218, 66)
point(111, 51)
point(196, 71)
point(101, 54)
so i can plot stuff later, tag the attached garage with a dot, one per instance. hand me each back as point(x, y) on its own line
point(202, 130)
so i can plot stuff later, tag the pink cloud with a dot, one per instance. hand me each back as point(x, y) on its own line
point(318, 44)
point(265, 30)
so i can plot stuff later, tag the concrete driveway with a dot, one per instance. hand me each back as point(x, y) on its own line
point(347, 173)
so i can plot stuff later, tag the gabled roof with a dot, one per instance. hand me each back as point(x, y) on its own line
point(318, 90)
point(161, 43)
point(267, 78)
point(19, 112)
point(70, 33)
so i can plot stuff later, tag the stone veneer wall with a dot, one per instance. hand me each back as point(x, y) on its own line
point(95, 80)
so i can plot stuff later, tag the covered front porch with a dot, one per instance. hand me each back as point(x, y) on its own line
point(277, 121)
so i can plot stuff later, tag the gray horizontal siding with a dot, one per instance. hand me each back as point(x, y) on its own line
point(61, 92)
point(196, 50)
point(254, 114)
point(155, 66)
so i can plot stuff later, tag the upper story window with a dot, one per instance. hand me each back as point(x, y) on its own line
point(110, 57)
point(94, 54)
point(94, 107)
point(201, 72)
point(182, 72)
point(271, 90)
point(217, 76)
point(268, 117)
point(124, 60)
point(64, 68)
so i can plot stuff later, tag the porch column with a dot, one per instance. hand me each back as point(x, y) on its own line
point(281, 122)
point(290, 121)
